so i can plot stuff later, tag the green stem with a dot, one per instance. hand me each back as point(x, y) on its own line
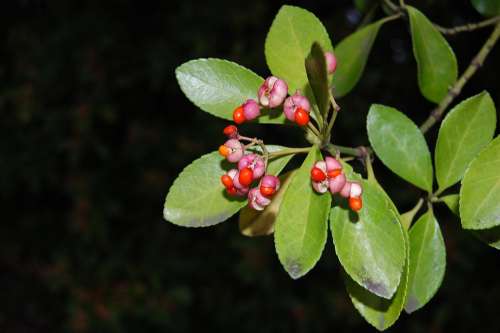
point(313, 129)
point(477, 62)
point(289, 151)
point(407, 218)
point(468, 27)
point(333, 149)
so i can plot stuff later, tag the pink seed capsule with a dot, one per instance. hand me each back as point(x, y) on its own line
point(356, 190)
point(251, 109)
point(346, 190)
point(332, 164)
point(254, 162)
point(256, 200)
point(294, 102)
point(331, 62)
point(232, 150)
point(320, 187)
point(272, 92)
point(336, 184)
point(269, 185)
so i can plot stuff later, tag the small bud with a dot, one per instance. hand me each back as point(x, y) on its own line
point(239, 115)
point(331, 62)
point(231, 131)
point(251, 109)
point(254, 162)
point(269, 185)
point(256, 200)
point(294, 102)
point(272, 92)
point(337, 183)
point(232, 150)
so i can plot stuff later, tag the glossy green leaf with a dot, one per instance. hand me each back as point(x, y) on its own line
point(261, 223)
point(352, 54)
point(480, 191)
point(452, 202)
point(380, 312)
point(400, 145)
point(219, 86)
point(467, 129)
point(427, 261)
point(436, 62)
point(292, 33)
point(370, 244)
point(301, 226)
point(197, 197)
point(487, 7)
point(318, 77)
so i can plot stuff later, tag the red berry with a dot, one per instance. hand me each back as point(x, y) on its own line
point(267, 191)
point(226, 181)
point(246, 176)
point(231, 131)
point(334, 173)
point(239, 115)
point(224, 151)
point(355, 203)
point(231, 190)
point(317, 175)
point(301, 117)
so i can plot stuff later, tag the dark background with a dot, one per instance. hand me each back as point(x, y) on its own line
point(94, 129)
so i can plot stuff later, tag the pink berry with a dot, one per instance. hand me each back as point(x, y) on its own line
point(331, 62)
point(346, 190)
point(332, 164)
point(269, 185)
point(256, 200)
point(272, 92)
point(294, 102)
point(231, 131)
point(251, 109)
point(254, 162)
point(336, 184)
point(240, 190)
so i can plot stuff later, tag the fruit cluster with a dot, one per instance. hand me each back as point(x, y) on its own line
point(252, 167)
point(273, 93)
point(328, 175)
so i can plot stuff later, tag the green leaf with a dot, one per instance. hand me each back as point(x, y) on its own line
point(301, 226)
point(197, 197)
point(436, 62)
point(427, 261)
point(318, 77)
point(400, 145)
point(261, 223)
point(467, 129)
point(293, 32)
point(219, 86)
point(480, 191)
point(352, 54)
point(380, 312)
point(370, 244)
point(452, 202)
point(487, 7)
